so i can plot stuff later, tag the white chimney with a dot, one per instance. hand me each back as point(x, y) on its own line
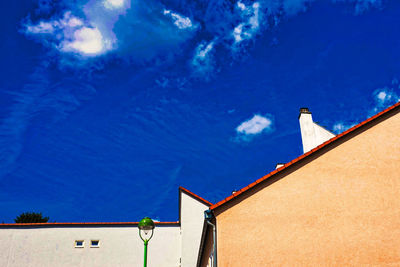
point(278, 165)
point(312, 134)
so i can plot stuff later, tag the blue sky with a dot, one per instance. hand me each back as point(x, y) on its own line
point(107, 107)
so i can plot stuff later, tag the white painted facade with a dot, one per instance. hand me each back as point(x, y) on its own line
point(312, 134)
point(49, 245)
point(192, 227)
point(118, 246)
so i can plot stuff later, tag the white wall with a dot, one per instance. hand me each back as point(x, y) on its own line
point(312, 135)
point(321, 134)
point(54, 245)
point(45, 246)
point(192, 218)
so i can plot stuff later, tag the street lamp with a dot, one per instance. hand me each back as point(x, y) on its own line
point(146, 225)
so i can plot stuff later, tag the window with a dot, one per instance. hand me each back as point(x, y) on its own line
point(79, 243)
point(94, 243)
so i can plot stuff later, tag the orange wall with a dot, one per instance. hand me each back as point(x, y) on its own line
point(342, 208)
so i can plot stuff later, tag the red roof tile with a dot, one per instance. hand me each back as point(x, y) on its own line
point(339, 136)
point(83, 224)
point(208, 203)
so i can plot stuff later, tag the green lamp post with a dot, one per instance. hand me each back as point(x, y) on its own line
point(146, 225)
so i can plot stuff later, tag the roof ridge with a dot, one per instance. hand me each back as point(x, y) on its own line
point(337, 137)
point(206, 202)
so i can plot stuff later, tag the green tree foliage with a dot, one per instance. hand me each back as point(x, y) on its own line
point(31, 217)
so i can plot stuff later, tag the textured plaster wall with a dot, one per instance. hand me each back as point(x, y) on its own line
point(341, 209)
point(119, 246)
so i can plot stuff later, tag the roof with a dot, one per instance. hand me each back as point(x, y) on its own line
point(306, 155)
point(84, 224)
point(202, 200)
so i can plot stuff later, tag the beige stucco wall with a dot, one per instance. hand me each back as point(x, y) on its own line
point(340, 209)
point(119, 246)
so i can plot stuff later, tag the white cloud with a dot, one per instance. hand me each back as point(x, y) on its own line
point(385, 97)
point(237, 33)
point(255, 125)
point(72, 34)
point(74, 22)
point(68, 21)
point(382, 98)
point(203, 50)
point(241, 6)
point(249, 27)
point(130, 29)
point(87, 41)
point(180, 21)
point(114, 4)
point(340, 127)
point(202, 62)
point(42, 27)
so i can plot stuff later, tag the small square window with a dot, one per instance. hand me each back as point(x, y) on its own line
point(79, 243)
point(94, 243)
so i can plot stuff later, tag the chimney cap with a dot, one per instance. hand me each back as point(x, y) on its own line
point(305, 110)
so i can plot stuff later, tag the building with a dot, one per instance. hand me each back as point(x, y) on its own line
point(106, 244)
point(336, 205)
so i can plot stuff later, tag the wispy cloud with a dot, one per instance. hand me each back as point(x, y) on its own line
point(139, 32)
point(129, 28)
point(13, 127)
point(43, 97)
point(386, 96)
point(292, 7)
point(180, 21)
point(251, 24)
point(252, 127)
point(361, 6)
point(340, 127)
point(381, 98)
point(203, 62)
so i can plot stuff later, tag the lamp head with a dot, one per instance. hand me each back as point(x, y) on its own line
point(146, 225)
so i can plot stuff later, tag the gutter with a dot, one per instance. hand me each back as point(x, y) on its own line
point(208, 216)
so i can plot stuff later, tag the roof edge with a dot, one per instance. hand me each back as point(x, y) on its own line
point(200, 199)
point(303, 156)
point(82, 224)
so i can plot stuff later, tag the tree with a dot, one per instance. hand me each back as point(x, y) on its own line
point(31, 217)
